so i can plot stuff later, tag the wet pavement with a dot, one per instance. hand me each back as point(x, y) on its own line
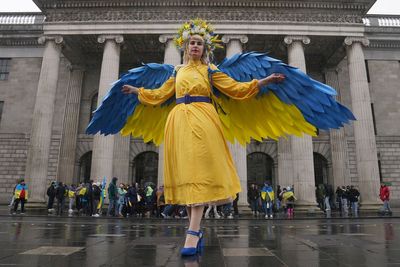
point(86, 241)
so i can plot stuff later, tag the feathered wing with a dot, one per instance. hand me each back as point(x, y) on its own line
point(297, 105)
point(124, 113)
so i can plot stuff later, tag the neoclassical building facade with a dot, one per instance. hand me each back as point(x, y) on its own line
point(56, 66)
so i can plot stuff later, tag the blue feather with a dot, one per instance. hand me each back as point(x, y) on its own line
point(313, 98)
point(111, 115)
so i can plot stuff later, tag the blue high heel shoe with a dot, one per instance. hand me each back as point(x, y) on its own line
point(194, 250)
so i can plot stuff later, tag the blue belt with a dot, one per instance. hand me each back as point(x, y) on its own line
point(187, 99)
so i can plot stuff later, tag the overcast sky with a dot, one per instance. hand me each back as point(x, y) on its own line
point(387, 7)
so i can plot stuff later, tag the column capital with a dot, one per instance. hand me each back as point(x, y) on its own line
point(348, 41)
point(288, 40)
point(58, 39)
point(242, 38)
point(119, 39)
point(164, 38)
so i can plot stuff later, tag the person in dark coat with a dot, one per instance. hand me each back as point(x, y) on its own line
point(51, 193)
point(253, 195)
point(60, 196)
point(112, 197)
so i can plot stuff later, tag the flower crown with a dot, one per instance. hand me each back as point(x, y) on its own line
point(198, 27)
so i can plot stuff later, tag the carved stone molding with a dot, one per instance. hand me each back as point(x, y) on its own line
point(241, 4)
point(348, 41)
point(18, 42)
point(45, 38)
point(384, 44)
point(292, 38)
point(165, 38)
point(242, 38)
point(119, 39)
point(215, 16)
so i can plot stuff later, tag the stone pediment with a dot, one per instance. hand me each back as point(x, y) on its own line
point(212, 10)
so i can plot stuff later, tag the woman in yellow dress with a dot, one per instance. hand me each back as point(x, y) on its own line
point(198, 166)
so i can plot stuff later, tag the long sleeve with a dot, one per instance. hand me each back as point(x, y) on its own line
point(157, 96)
point(234, 89)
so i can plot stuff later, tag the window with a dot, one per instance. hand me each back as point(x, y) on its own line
point(1, 109)
point(4, 68)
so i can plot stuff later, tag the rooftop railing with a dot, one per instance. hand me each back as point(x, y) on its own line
point(382, 21)
point(21, 18)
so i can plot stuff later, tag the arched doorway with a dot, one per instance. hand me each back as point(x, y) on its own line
point(320, 169)
point(145, 167)
point(260, 168)
point(85, 165)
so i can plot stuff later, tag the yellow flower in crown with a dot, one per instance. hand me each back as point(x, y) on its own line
point(198, 27)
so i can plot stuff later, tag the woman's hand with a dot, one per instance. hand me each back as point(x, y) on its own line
point(273, 78)
point(129, 89)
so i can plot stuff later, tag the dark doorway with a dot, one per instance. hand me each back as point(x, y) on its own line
point(146, 167)
point(260, 168)
point(320, 169)
point(85, 164)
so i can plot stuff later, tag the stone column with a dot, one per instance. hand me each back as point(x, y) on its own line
point(233, 46)
point(66, 163)
point(171, 56)
point(302, 147)
point(40, 139)
point(103, 146)
point(121, 158)
point(367, 159)
point(340, 168)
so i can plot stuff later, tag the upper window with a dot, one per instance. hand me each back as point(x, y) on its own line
point(4, 68)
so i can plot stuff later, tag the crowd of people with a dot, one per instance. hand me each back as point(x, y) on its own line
point(265, 201)
point(126, 200)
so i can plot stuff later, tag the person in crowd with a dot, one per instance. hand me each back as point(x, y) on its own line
point(215, 212)
point(21, 196)
point(121, 199)
point(328, 197)
point(235, 206)
point(112, 197)
point(79, 194)
point(253, 196)
point(51, 193)
point(278, 198)
point(89, 197)
point(132, 198)
point(344, 203)
point(289, 198)
point(267, 198)
point(160, 200)
point(60, 196)
point(354, 196)
point(339, 193)
point(384, 194)
point(320, 194)
point(96, 199)
point(71, 198)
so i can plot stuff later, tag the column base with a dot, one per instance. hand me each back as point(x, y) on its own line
point(308, 208)
point(370, 206)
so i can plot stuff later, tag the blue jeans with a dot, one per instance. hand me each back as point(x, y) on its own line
point(327, 204)
point(112, 205)
point(267, 207)
point(386, 206)
point(254, 205)
point(354, 208)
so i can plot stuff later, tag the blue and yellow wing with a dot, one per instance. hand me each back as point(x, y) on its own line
point(124, 113)
point(296, 106)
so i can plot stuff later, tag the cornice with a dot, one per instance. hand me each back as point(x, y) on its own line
point(208, 4)
point(384, 44)
point(19, 42)
point(212, 15)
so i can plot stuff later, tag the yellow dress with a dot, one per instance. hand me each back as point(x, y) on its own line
point(198, 166)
